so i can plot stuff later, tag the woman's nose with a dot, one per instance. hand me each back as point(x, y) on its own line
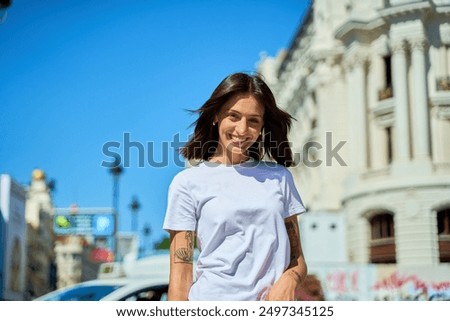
point(241, 126)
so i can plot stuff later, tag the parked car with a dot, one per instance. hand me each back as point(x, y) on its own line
point(121, 289)
point(145, 279)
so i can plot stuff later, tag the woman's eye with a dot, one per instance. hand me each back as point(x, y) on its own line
point(233, 116)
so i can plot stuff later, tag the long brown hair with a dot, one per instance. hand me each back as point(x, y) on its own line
point(277, 123)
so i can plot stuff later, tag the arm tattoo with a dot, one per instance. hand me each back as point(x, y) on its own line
point(293, 239)
point(186, 254)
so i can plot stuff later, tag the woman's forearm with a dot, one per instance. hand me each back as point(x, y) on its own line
point(181, 265)
point(179, 286)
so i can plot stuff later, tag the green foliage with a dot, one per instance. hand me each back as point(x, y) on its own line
point(164, 244)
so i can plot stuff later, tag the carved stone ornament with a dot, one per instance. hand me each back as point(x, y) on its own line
point(418, 43)
point(398, 46)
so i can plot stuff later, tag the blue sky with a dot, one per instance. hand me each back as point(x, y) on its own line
point(76, 74)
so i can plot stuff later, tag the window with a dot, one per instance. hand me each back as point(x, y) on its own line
point(382, 244)
point(443, 79)
point(382, 226)
point(389, 144)
point(443, 224)
point(388, 71)
point(443, 218)
point(387, 91)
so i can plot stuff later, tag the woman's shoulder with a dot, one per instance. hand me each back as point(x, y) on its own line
point(186, 174)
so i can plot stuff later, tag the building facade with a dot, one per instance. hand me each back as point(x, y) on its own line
point(41, 268)
point(13, 239)
point(368, 82)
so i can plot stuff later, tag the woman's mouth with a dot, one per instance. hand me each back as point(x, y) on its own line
point(238, 141)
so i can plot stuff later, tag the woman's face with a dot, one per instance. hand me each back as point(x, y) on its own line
point(239, 122)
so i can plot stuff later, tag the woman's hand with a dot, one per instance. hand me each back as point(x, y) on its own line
point(283, 289)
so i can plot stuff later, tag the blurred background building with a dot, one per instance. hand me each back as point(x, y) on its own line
point(41, 267)
point(13, 241)
point(44, 248)
point(368, 82)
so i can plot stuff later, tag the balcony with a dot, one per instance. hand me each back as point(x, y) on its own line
point(392, 3)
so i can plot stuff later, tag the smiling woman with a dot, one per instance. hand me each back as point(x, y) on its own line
point(243, 210)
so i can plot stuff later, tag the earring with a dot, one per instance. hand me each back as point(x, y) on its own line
point(214, 123)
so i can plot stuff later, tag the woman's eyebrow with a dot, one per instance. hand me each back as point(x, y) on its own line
point(251, 115)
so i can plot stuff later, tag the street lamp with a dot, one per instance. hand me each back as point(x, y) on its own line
point(134, 206)
point(4, 4)
point(147, 231)
point(116, 170)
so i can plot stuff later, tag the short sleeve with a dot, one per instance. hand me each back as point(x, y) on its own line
point(293, 201)
point(180, 212)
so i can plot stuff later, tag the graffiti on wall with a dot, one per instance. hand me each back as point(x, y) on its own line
point(399, 286)
point(368, 282)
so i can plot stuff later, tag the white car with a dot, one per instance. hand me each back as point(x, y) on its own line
point(146, 279)
point(121, 289)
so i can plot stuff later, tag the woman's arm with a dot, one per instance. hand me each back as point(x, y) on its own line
point(292, 278)
point(181, 262)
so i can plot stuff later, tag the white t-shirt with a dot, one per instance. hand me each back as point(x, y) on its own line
point(238, 212)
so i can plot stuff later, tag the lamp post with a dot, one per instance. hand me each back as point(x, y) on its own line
point(134, 206)
point(147, 231)
point(116, 170)
point(4, 4)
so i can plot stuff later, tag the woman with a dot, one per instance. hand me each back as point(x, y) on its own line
point(242, 210)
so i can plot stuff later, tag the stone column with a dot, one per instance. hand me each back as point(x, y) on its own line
point(360, 111)
point(377, 134)
point(379, 69)
point(400, 88)
point(349, 79)
point(447, 60)
point(421, 117)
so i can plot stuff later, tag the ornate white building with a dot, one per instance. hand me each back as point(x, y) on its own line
point(41, 269)
point(369, 84)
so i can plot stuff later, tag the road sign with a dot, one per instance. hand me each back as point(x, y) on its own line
point(84, 224)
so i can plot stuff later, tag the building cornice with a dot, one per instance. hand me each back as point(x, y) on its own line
point(356, 27)
point(405, 9)
point(393, 184)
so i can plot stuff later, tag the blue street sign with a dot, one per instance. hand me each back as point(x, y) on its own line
point(84, 224)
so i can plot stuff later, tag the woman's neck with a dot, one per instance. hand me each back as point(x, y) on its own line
point(231, 159)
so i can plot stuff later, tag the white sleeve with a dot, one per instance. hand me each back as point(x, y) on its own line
point(293, 201)
point(180, 212)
